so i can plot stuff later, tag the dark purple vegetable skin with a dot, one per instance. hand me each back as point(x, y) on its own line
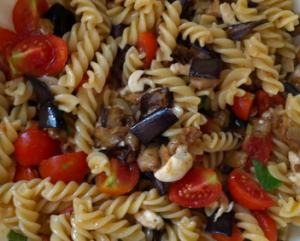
point(123, 153)
point(206, 68)
point(103, 115)
point(184, 4)
point(117, 30)
point(51, 117)
point(290, 89)
point(237, 31)
point(160, 186)
point(223, 225)
point(42, 91)
point(62, 19)
point(237, 125)
point(154, 125)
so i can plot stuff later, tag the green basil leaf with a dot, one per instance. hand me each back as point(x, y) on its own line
point(265, 178)
point(201, 105)
point(68, 129)
point(13, 236)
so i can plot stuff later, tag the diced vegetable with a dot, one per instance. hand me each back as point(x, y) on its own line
point(160, 186)
point(237, 235)
point(264, 101)
point(147, 43)
point(223, 225)
point(267, 224)
point(122, 153)
point(266, 180)
point(42, 91)
point(7, 39)
point(117, 30)
point(242, 105)
point(290, 89)
point(85, 79)
point(210, 126)
point(51, 117)
point(25, 173)
point(13, 236)
point(206, 68)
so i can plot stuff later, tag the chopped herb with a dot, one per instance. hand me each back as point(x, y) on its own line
point(201, 105)
point(266, 180)
point(68, 129)
point(13, 236)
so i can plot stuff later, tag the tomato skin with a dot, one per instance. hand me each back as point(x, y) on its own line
point(267, 224)
point(68, 210)
point(44, 238)
point(67, 167)
point(35, 145)
point(196, 189)
point(25, 173)
point(210, 126)
point(40, 55)
point(123, 178)
point(247, 192)
point(258, 148)
point(26, 16)
point(147, 43)
point(236, 235)
point(242, 105)
point(7, 39)
point(264, 101)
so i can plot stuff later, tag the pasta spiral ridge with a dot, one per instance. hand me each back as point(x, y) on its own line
point(292, 107)
point(86, 119)
point(288, 50)
point(264, 65)
point(195, 32)
point(98, 162)
point(168, 31)
point(245, 14)
point(60, 227)
point(212, 160)
point(8, 134)
point(20, 90)
point(4, 105)
point(290, 208)
point(24, 113)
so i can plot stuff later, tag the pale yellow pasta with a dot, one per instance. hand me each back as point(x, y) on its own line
point(245, 14)
point(292, 107)
point(212, 160)
point(20, 90)
point(4, 105)
point(24, 113)
point(98, 162)
point(60, 227)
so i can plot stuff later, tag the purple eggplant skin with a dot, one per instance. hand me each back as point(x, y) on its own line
point(160, 186)
point(237, 31)
point(223, 225)
point(122, 153)
point(51, 117)
point(206, 68)
point(103, 114)
point(154, 125)
point(290, 89)
point(62, 19)
point(117, 30)
point(42, 91)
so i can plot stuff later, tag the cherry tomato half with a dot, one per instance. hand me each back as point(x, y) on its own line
point(25, 173)
point(147, 43)
point(236, 235)
point(123, 178)
point(68, 210)
point(242, 105)
point(247, 192)
point(35, 145)
point(267, 225)
point(40, 55)
point(26, 16)
point(264, 101)
point(68, 167)
point(11, 71)
point(258, 148)
point(7, 39)
point(196, 189)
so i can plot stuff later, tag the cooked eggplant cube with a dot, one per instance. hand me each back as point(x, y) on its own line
point(51, 117)
point(206, 68)
point(223, 225)
point(42, 91)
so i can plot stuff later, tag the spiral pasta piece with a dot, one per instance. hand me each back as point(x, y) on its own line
point(226, 47)
point(60, 227)
point(245, 14)
point(24, 113)
point(280, 150)
point(8, 134)
point(195, 32)
point(290, 208)
point(86, 119)
point(216, 142)
point(98, 162)
point(168, 31)
point(264, 65)
point(288, 50)
point(20, 90)
point(212, 160)
point(292, 107)
point(4, 105)
point(283, 4)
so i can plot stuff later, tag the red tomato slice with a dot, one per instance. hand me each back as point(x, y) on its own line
point(236, 235)
point(242, 105)
point(40, 55)
point(147, 43)
point(210, 126)
point(267, 224)
point(68, 210)
point(123, 178)
point(7, 39)
point(196, 189)
point(68, 167)
point(35, 145)
point(44, 237)
point(258, 148)
point(11, 71)
point(25, 173)
point(264, 101)
point(26, 16)
point(84, 80)
point(247, 192)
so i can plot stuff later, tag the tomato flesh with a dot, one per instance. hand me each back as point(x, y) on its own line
point(11, 71)
point(35, 145)
point(236, 235)
point(68, 167)
point(40, 55)
point(147, 43)
point(68, 210)
point(25, 173)
point(247, 192)
point(123, 178)
point(210, 126)
point(267, 225)
point(26, 16)
point(242, 105)
point(7, 39)
point(196, 189)
point(264, 101)
point(258, 148)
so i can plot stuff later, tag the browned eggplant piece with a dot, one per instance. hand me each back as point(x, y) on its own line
point(180, 54)
point(237, 125)
point(252, 4)
point(123, 153)
point(154, 125)
point(198, 52)
point(103, 115)
point(117, 30)
point(160, 186)
point(206, 68)
point(237, 31)
point(110, 137)
point(62, 19)
point(50, 116)
point(42, 91)
point(290, 89)
point(153, 100)
point(223, 225)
